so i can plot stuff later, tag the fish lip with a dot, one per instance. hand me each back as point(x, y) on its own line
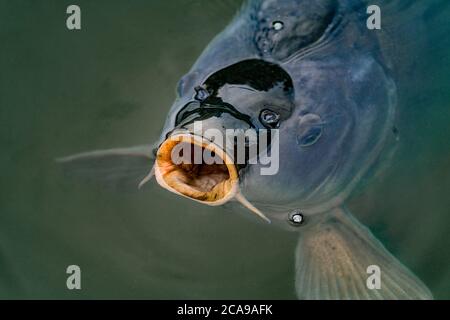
point(179, 181)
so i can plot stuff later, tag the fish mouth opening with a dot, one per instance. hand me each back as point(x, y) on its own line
point(190, 175)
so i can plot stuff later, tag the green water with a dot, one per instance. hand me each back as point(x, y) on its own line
point(110, 85)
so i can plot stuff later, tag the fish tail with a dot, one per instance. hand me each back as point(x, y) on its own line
point(338, 258)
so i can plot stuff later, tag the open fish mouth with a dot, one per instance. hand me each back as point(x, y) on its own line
point(193, 176)
point(210, 182)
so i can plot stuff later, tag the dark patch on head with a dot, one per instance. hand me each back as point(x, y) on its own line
point(258, 74)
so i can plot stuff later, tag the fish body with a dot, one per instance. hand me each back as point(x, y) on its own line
point(325, 86)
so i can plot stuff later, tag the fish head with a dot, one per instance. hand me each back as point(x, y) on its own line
point(214, 134)
point(314, 80)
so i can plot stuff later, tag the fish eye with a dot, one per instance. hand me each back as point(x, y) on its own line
point(313, 134)
point(269, 118)
point(310, 130)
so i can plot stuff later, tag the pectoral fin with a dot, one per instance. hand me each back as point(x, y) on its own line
point(338, 258)
point(121, 168)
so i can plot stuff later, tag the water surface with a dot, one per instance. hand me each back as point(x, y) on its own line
point(110, 85)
